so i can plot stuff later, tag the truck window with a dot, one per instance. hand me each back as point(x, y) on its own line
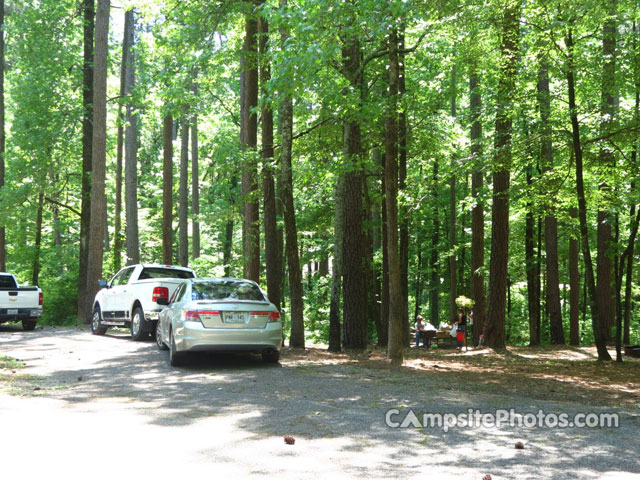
point(159, 272)
point(122, 278)
point(7, 281)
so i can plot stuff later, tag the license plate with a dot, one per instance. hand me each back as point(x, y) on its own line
point(12, 312)
point(234, 318)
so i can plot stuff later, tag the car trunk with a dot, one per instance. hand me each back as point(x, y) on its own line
point(233, 315)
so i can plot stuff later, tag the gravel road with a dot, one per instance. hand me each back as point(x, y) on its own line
point(95, 407)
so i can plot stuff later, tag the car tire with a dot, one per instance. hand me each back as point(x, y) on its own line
point(139, 326)
point(176, 359)
point(271, 357)
point(159, 342)
point(28, 325)
point(96, 327)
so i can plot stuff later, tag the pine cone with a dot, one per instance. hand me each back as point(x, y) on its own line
point(519, 446)
point(486, 477)
point(289, 440)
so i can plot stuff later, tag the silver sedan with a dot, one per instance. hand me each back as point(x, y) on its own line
point(219, 314)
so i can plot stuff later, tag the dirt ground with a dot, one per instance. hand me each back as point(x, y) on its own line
point(82, 405)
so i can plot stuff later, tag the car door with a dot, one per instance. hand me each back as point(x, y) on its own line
point(166, 315)
point(115, 301)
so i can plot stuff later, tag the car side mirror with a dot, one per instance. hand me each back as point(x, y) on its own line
point(162, 301)
point(102, 284)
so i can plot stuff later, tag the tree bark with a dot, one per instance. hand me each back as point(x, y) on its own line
point(607, 163)
point(550, 221)
point(183, 208)
point(98, 198)
point(453, 263)
point(477, 214)
point(403, 219)
point(167, 191)
point(38, 241)
point(533, 279)
point(117, 237)
point(434, 264)
point(598, 332)
point(87, 138)
point(273, 259)
point(293, 260)
point(495, 325)
point(250, 206)
point(574, 287)
point(355, 295)
point(195, 177)
point(3, 239)
point(396, 332)
point(336, 277)
point(131, 149)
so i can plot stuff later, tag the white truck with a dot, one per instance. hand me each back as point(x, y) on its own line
point(19, 303)
point(129, 299)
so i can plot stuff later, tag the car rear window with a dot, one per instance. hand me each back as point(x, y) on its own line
point(159, 272)
point(227, 290)
point(6, 281)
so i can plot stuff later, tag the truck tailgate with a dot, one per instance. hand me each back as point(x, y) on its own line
point(19, 298)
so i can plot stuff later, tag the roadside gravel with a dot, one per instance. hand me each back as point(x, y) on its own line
point(90, 406)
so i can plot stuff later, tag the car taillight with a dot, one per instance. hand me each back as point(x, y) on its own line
point(160, 292)
point(190, 316)
point(40, 299)
point(274, 317)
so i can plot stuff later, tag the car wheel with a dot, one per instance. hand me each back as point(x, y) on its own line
point(271, 357)
point(139, 326)
point(28, 325)
point(159, 342)
point(96, 327)
point(176, 359)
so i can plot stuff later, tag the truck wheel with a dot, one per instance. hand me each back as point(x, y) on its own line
point(159, 342)
point(139, 326)
point(96, 327)
point(176, 359)
point(28, 325)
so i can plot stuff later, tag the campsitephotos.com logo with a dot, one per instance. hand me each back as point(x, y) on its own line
point(394, 418)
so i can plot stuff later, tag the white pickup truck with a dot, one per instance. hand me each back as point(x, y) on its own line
point(129, 299)
point(19, 303)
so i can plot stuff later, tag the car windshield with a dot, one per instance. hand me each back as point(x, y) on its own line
point(226, 290)
point(159, 272)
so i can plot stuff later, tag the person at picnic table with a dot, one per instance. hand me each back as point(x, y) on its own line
point(461, 334)
point(421, 331)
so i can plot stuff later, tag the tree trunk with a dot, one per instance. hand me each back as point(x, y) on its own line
point(336, 277)
point(38, 241)
point(98, 198)
point(598, 333)
point(117, 236)
point(403, 219)
point(227, 249)
point(453, 264)
point(574, 287)
point(3, 240)
point(607, 163)
point(272, 255)
point(167, 191)
point(355, 295)
point(131, 149)
point(434, 264)
point(495, 325)
point(384, 297)
point(477, 214)
point(183, 208)
point(293, 260)
point(195, 177)
point(533, 279)
point(250, 205)
point(550, 221)
point(396, 332)
point(87, 138)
